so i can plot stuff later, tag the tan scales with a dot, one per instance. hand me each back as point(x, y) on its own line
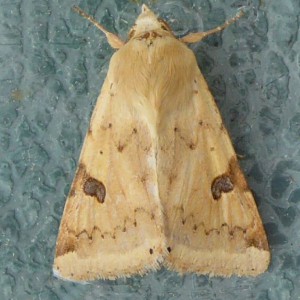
point(158, 181)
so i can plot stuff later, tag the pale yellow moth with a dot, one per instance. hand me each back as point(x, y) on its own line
point(158, 181)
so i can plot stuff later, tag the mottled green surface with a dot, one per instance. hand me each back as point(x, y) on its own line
point(52, 66)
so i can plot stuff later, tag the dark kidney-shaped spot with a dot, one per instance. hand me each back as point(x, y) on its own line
point(96, 188)
point(221, 184)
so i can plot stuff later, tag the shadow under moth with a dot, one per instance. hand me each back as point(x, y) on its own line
point(158, 181)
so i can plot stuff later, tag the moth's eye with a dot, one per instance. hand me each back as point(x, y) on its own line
point(164, 25)
point(132, 31)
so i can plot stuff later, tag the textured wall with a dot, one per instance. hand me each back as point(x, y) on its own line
point(52, 66)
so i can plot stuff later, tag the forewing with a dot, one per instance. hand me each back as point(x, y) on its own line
point(112, 223)
point(212, 223)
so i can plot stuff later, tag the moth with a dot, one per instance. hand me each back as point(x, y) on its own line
point(158, 181)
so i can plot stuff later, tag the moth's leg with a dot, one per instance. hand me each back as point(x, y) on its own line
point(114, 41)
point(198, 36)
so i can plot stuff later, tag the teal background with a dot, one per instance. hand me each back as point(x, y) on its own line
point(53, 63)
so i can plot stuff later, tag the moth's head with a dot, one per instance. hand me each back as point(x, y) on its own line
point(147, 21)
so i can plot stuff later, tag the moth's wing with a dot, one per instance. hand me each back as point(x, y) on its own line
point(112, 225)
point(212, 223)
